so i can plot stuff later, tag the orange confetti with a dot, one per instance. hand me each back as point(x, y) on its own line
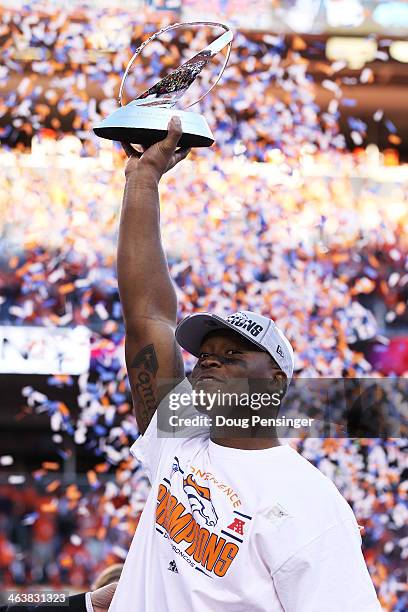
point(100, 468)
point(101, 533)
point(110, 327)
point(123, 408)
point(66, 561)
point(63, 408)
point(324, 68)
point(72, 493)
point(298, 44)
point(67, 288)
point(13, 262)
point(394, 139)
point(51, 506)
point(114, 521)
point(50, 465)
point(330, 445)
point(53, 486)
point(391, 157)
point(92, 478)
point(64, 378)
point(30, 244)
point(384, 287)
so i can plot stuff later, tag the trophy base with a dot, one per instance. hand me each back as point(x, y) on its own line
point(146, 125)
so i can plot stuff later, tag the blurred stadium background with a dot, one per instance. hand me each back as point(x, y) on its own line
point(300, 210)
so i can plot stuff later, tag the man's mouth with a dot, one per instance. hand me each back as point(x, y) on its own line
point(207, 378)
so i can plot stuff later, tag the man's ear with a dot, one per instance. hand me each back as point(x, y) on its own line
point(278, 383)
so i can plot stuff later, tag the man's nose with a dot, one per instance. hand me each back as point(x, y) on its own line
point(210, 361)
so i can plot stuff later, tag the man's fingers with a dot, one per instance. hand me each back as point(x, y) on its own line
point(174, 134)
point(112, 588)
point(166, 146)
point(181, 154)
point(131, 151)
point(127, 148)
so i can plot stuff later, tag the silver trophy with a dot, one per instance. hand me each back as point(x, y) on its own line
point(144, 120)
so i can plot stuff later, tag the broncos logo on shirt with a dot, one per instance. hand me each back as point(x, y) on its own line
point(199, 498)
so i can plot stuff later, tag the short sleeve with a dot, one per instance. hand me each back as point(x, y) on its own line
point(155, 443)
point(150, 448)
point(329, 573)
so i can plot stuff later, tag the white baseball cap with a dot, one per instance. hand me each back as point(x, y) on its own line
point(259, 330)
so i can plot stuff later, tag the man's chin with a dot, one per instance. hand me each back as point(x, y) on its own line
point(209, 389)
point(203, 410)
point(208, 385)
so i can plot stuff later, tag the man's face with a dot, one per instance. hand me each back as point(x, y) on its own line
point(228, 363)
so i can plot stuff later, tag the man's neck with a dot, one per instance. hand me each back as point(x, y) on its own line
point(235, 431)
point(246, 443)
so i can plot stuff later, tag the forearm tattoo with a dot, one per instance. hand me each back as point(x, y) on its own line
point(145, 365)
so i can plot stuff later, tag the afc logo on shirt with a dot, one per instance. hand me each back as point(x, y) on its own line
point(238, 526)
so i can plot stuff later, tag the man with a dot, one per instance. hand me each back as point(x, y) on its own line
point(95, 601)
point(232, 523)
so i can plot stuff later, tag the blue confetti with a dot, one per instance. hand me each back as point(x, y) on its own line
point(390, 126)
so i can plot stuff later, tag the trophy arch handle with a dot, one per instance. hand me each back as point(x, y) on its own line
point(174, 26)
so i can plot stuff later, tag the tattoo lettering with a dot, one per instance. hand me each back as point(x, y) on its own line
point(147, 359)
point(146, 365)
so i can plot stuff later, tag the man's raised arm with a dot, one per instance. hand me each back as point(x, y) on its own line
point(147, 295)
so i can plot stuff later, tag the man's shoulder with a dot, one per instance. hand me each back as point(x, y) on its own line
point(303, 504)
point(309, 492)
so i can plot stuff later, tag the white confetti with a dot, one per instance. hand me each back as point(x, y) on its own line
point(393, 279)
point(80, 436)
point(366, 75)
point(120, 552)
point(101, 311)
point(356, 138)
point(390, 316)
point(30, 519)
point(338, 65)
point(16, 479)
point(56, 421)
point(331, 86)
point(395, 254)
point(333, 107)
point(6, 460)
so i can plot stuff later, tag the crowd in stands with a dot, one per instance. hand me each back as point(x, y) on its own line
point(59, 541)
point(61, 71)
point(307, 250)
point(317, 251)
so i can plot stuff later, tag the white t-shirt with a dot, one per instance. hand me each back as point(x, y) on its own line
point(230, 530)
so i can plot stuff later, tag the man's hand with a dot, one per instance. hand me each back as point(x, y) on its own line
point(101, 598)
point(160, 157)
